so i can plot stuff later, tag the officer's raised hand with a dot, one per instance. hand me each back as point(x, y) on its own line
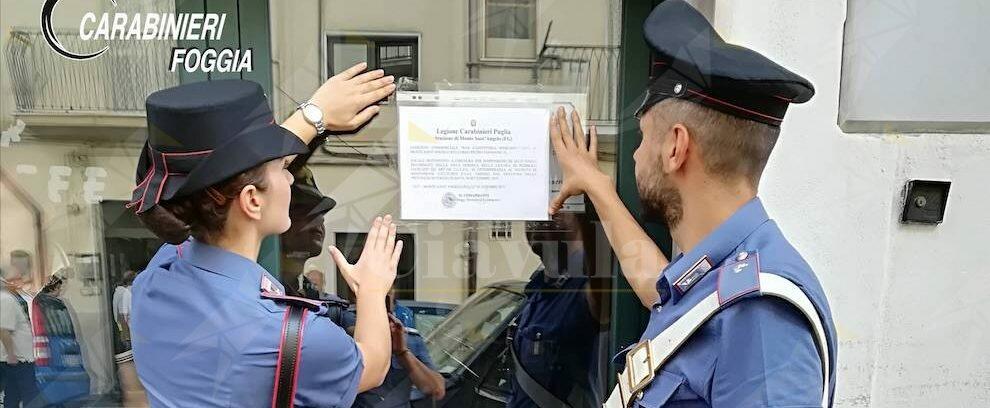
point(375, 270)
point(639, 257)
point(578, 157)
point(348, 98)
point(344, 102)
point(371, 279)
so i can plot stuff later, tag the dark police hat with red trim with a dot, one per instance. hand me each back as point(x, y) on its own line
point(202, 133)
point(307, 200)
point(694, 63)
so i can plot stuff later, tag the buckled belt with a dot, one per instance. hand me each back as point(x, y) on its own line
point(639, 371)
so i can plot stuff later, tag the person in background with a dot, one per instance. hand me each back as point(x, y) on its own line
point(59, 369)
point(132, 393)
point(554, 339)
point(314, 285)
point(16, 343)
point(404, 314)
point(23, 276)
point(304, 238)
point(411, 363)
point(122, 308)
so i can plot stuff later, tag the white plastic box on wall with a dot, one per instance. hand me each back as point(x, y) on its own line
point(916, 66)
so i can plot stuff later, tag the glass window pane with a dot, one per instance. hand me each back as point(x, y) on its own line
point(345, 55)
point(510, 18)
point(74, 134)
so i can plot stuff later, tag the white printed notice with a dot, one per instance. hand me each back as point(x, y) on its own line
point(472, 163)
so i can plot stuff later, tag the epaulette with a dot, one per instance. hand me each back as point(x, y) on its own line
point(738, 278)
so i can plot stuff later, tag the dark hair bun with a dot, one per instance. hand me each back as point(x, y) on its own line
point(165, 225)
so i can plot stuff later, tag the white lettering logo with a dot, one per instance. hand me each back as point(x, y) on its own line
point(155, 26)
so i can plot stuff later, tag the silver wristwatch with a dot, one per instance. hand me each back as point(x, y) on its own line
point(313, 115)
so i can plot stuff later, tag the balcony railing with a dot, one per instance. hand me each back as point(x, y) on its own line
point(593, 67)
point(117, 81)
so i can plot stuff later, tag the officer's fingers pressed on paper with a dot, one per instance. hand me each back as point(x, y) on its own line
point(555, 140)
point(578, 131)
point(565, 130)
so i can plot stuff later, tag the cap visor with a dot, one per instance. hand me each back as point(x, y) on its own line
point(240, 154)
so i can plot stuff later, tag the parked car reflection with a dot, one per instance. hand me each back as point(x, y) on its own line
point(469, 348)
point(428, 315)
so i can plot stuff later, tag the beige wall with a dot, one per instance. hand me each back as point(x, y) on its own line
point(443, 26)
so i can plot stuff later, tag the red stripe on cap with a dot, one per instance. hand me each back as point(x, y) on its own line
point(161, 186)
point(147, 178)
point(167, 173)
point(734, 106)
point(145, 182)
point(198, 152)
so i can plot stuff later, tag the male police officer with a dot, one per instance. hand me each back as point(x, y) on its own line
point(554, 339)
point(304, 238)
point(738, 319)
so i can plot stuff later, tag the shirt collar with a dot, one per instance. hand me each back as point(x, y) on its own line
point(249, 274)
point(575, 267)
point(712, 250)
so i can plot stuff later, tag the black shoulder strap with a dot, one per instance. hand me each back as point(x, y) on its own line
point(288, 356)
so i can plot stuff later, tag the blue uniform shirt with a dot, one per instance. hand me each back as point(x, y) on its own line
point(397, 388)
point(406, 316)
point(204, 337)
point(757, 351)
point(557, 340)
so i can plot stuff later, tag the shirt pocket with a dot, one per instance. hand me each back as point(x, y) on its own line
point(661, 391)
point(538, 349)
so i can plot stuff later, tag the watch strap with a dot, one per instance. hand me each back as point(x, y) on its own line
point(319, 125)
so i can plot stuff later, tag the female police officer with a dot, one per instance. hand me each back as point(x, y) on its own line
point(206, 331)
